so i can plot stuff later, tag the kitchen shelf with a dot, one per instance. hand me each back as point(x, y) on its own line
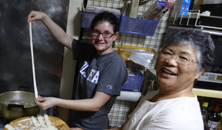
point(127, 25)
point(207, 93)
point(138, 26)
point(196, 19)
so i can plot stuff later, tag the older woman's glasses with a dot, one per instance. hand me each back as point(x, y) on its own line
point(105, 34)
point(180, 59)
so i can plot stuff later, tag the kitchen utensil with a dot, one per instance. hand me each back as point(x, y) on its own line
point(33, 64)
point(14, 111)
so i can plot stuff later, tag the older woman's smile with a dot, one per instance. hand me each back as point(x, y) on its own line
point(168, 72)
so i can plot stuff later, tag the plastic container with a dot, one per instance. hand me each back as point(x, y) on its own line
point(134, 81)
point(127, 24)
point(87, 18)
point(138, 26)
point(215, 9)
point(126, 50)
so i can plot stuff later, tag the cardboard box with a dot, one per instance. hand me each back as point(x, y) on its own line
point(157, 10)
point(169, 4)
point(154, 10)
point(185, 5)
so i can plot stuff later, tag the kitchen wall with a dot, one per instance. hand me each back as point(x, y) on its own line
point(68, 70)
point(49, 55)
point(197, 3)
point(15, 55)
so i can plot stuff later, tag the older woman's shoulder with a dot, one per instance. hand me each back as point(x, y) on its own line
point(148, 96)
point(177, 120)
point(151, 94)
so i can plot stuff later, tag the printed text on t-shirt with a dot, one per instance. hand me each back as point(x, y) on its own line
point(92, 75)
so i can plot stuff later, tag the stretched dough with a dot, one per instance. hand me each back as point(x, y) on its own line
point(36, 124)
point(9, 127)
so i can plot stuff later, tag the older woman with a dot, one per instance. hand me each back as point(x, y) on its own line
point(183, 58)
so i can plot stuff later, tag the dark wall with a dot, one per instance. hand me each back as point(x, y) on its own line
point(15, 54)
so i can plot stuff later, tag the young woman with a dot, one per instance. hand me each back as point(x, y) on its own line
point(101, 74)
point(184, 57)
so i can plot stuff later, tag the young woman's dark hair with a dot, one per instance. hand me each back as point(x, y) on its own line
point(106, 17)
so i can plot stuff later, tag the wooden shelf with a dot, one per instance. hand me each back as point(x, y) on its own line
point(207, 93)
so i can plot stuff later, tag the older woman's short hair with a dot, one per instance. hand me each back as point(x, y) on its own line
point(200, 41)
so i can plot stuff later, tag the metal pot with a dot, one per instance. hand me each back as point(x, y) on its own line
point(10, 109)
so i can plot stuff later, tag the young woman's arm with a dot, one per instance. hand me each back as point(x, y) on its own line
point(93, 104)
point(57, 32)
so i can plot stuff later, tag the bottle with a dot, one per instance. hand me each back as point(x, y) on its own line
point(204, 112)
point(220, 125)
point(214, 118)
point(211, 105)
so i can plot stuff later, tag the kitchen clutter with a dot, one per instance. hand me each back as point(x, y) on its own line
point(130, 22)
point(130, 96)
point(97, 9)
point(206, 14)
point(134, 80)
point(157, 10)
point(140, 55)
point(211, 113)
point(214, 9)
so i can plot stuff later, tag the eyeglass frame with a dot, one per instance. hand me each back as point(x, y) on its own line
point(175, 57)
point(101, 33)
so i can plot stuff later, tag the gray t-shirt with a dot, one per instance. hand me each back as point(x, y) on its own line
point(104, 73)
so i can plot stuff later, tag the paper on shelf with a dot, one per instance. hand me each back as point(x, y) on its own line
point(97, 9)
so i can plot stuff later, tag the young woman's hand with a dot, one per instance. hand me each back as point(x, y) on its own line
point(35, 15)
point(45, 102)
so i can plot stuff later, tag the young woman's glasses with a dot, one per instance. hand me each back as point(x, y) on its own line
point(180, 59)
point(104, 34)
